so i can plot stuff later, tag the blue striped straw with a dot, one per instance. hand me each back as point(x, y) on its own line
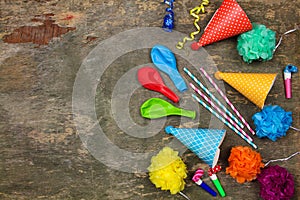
point(213, 97)
point(223, 120)
point(220, 111)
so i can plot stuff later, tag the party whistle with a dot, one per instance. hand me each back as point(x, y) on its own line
point(213, 177)
point(287, 74)
point(197, 179)
point(216, 182)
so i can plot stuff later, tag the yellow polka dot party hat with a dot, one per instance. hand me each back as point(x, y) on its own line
point(228, 21)
point(254, 86)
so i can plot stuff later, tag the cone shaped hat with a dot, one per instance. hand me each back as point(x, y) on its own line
point(203, 142)
point(254, 86)
point(228, 21)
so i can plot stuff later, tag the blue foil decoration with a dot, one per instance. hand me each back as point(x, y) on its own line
point(272, 122)
point(169, 18)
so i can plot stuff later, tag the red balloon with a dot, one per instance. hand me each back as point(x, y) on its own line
point(151, 79)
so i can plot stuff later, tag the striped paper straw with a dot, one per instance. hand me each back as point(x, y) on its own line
point(227, 100)
point(212, 96)
point(220, 111)
point(223, 120)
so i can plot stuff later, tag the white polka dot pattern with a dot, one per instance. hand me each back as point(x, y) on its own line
point(254, 86)
point(228, 21)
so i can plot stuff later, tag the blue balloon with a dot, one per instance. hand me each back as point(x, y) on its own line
point(165, 61)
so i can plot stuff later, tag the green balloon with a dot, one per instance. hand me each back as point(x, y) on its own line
point(156, 108)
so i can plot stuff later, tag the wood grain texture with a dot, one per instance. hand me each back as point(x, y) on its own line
point(42, 155)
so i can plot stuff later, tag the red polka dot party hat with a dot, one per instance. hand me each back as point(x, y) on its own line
point(228, 21)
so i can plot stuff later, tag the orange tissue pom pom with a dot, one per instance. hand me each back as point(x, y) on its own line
point(244, 164)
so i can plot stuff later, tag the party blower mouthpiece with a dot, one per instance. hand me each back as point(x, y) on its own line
point(197, 179)
point(287, 74)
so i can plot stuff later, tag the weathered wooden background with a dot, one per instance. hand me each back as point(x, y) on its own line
point(42, 156)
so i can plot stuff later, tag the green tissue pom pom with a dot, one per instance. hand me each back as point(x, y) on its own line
point(257, 44)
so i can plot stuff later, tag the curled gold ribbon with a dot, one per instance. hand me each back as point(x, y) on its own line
point(194, 13)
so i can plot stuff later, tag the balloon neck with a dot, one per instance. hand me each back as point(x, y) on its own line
point(178, 81)
point(153, 86)
point(181, 86)
point(169, 94)
point(188, 113)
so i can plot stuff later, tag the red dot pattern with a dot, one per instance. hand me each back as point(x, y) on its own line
point(214, 170)
point(228, 21)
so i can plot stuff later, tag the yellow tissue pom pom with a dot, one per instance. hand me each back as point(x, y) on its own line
point(167, 171)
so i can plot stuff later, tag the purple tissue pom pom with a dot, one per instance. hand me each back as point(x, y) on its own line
point(276, 183)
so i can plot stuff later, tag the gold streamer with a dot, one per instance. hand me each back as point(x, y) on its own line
point(195, 13)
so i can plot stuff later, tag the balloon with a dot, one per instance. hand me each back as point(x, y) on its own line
point(151, 79)
point(164, 60)
point(156, 108)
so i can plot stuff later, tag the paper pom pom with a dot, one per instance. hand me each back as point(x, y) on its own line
point(167, 171)
point(276, 183)
point(244, 164)
point(257, 44)
point(272, 122)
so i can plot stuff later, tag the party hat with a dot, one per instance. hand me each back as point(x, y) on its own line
point(228, 21)
point(203, 142)
point(254, 86)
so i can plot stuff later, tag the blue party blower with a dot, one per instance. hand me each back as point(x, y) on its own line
point(165, 61)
